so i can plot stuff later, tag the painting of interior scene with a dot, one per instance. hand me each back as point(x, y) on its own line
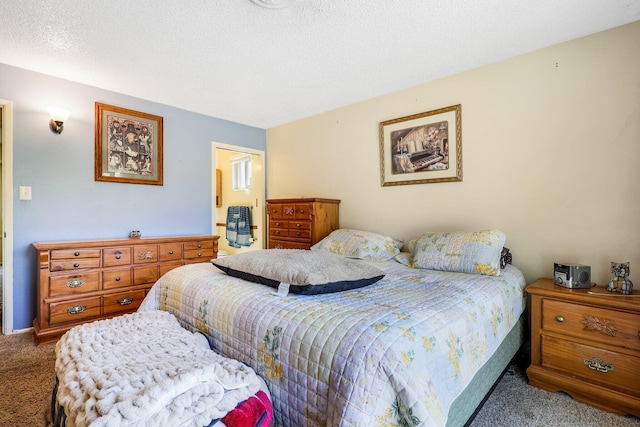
point(421, 148)
point(130, 146)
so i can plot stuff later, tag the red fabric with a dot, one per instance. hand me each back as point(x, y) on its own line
point(250, 412)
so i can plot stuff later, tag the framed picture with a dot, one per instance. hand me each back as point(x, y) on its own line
point(128, 146)
point(422, 148)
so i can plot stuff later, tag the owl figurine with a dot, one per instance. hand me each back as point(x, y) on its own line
point(620, 281)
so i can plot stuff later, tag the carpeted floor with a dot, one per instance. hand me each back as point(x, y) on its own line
point(26, 379)
point(27, 376)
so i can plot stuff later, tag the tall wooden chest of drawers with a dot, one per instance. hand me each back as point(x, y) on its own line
point(586, 342)
point(82, 281)
point(300, 223)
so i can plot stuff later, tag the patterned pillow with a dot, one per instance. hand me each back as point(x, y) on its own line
point(359, 244)
point(475, 252)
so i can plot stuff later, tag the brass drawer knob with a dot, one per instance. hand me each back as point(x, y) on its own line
point(125, 301)
point(117, 279)
point(118, 256)
point(170, 252)
point(76, 254)
point(76, 309)
point(560, 319)
point(76, 265)
point(597, 365)
point(76, 283)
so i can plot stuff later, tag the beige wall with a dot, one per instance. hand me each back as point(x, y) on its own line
point(551, 156)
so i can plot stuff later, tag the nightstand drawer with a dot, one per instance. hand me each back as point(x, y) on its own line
point(615, 328)
point(607, 368)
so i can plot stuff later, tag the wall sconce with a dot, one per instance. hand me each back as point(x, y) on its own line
point(58, 117)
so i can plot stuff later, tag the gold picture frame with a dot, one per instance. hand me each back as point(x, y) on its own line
point(422, 148)
point(128, 146)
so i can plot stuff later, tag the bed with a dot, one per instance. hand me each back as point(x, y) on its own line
point(422, 345)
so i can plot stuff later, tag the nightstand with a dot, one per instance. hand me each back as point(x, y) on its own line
point(586, 342)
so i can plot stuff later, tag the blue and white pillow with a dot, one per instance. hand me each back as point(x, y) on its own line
point(476, 252)
point(359, 244)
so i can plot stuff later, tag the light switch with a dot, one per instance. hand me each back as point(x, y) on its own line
point(25, 193)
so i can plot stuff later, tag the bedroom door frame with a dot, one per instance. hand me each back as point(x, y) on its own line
point(263, 191)
point(7, 216)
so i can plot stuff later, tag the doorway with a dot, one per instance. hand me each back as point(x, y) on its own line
point(238, 181)
point(6, 216)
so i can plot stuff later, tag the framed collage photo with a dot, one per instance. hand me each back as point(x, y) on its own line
point(128, 146)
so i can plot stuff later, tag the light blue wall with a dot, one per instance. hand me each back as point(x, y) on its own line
point(69, 205)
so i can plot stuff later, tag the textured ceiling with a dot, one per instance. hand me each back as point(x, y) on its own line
point(235, 60)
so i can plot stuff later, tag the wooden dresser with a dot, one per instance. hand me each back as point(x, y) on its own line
point(586, 345)
point(300, 223)
point(89, 280)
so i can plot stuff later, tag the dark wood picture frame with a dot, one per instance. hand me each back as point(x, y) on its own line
point(128, 146)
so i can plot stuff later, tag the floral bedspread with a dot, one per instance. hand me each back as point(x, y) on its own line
point(395, 353)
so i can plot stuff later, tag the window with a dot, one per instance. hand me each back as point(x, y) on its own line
point(241, 167)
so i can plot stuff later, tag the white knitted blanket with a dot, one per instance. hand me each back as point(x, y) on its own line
point(144, 369)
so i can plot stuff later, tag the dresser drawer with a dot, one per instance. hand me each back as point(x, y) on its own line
point(119, 278)
point(170, 251)
point(72, 284)
point(74, 264)
point(287, 244)
point(300, 234)
point(303, 210)
point(74, 311)
point(198, 250)
point(281, 210)
point(75, 253)
point(164, 268)
point(279, 232)
point(607, 368)
point(145, 254)
point(122, 301)
point(615, 328)
point(144, 275)
point(278, 223)
point(116, 256)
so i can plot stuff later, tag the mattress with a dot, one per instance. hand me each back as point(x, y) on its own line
point(397, 352)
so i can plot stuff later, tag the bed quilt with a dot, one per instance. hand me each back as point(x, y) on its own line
point(395, 353)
